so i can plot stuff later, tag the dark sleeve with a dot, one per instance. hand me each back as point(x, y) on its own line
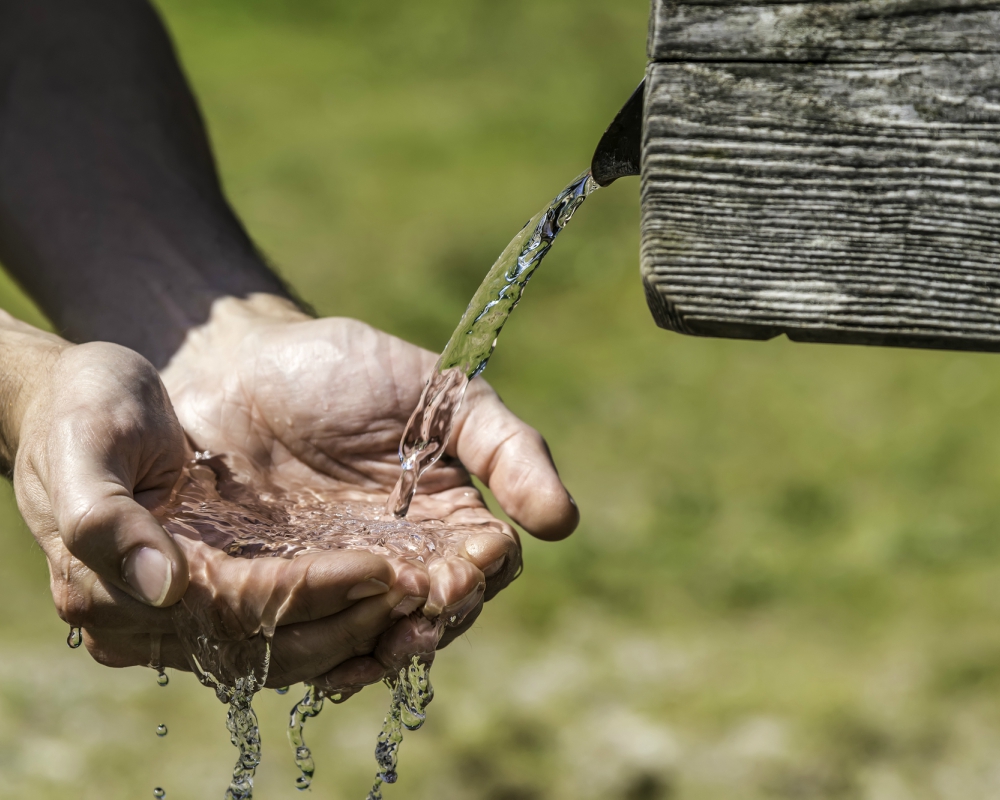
point(111, 213)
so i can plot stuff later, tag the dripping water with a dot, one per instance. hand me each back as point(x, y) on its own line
point(75, 637)
point(411, 692)
point(236, 670)
point(244, 733)
point(307, 708)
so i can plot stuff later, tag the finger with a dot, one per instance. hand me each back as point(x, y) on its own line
point(498, 556)
point(456, 586)
point(411, 636)
point(278, 592)
point(115, 433)
point(118, 649)
point(303, 651)
point(116, 537)
point(83, 600)
point(452, 633)
point(350, 677)
point(513, 460)
point(299, 652)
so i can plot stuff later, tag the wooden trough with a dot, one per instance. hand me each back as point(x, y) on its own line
point(830, 171)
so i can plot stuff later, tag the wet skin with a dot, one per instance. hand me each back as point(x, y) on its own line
point(98, 442)
point(113, 218)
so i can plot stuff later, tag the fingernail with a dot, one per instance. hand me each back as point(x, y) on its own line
point(148, 572)
point(368, 588)
point(407, 606)
point(495, 567)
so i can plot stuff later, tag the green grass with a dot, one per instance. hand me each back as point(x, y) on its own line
point(784, 585)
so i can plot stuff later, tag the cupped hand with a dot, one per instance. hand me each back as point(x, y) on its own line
point(297, 401)
point(95, 446)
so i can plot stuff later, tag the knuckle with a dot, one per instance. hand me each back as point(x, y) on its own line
point(75, 610)
point(354, 641)
point(74, 607)
point(82, 523)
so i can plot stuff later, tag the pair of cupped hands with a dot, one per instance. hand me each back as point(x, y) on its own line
point(100, 438)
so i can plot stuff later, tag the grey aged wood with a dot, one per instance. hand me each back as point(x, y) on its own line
point(874, 30)
point(828, 171)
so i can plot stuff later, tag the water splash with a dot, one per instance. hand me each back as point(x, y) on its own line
point(75, 637)
point(469, 349)
point(411, 693)
point(307, 708)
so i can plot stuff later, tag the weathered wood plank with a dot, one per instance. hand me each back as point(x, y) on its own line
point(863, 30)
point(831, 202)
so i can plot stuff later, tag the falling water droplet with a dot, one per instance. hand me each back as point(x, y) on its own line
point(158, 793)
point(307, 708)
point(161, 678)
point(161, 730)
point(75, 638)
point(282, 690)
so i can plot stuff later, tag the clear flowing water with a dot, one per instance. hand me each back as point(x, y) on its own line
point(469, 349)
point(307, 708)
point(411, 693)
point(230, 650)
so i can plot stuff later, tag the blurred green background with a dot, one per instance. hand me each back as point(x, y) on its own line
point(787, 579)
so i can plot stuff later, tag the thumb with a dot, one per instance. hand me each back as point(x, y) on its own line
point(102, 525)
point(124, 544)
point(103, 426)
point(512, 459)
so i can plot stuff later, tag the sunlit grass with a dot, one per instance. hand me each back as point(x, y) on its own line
point(784, 585)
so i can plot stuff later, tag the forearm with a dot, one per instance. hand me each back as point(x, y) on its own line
point(111, 213)
point(26, 355)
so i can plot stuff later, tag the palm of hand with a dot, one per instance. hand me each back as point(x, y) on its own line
point(321, 404)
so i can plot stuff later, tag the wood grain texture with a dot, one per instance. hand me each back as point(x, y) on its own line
point(831, 202)
point(865, 30)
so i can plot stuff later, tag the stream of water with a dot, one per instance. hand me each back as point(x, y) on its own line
point(469, 349)
point(232, 654)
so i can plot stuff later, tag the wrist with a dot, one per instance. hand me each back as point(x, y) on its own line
point(230, 321)
point(27, 356)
